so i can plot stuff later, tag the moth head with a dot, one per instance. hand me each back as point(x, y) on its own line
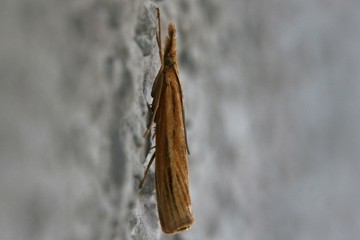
point(170, 46)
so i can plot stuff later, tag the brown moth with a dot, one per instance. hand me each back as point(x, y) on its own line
point(171, 154)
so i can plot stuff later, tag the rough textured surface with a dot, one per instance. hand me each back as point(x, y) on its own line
point(272, 97)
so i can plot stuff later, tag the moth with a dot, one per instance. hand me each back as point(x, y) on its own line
point(171, 148)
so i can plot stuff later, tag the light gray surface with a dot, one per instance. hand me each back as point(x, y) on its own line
point(272, 96)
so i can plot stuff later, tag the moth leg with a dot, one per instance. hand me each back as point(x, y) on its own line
point(147, 171)
point(151, 121)
point(149, 106)
point(155, 104)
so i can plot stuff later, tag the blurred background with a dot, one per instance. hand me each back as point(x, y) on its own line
point(271, 92)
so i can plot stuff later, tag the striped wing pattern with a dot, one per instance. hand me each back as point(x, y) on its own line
point(172, 181)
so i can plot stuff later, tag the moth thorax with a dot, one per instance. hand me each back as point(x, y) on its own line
point(169, 61)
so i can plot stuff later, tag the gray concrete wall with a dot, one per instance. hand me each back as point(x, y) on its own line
point(272, 96)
